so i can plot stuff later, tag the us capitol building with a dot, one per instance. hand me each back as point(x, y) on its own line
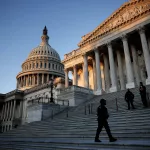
point(114, 56)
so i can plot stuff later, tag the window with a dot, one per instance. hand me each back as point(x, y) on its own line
point(49, 65)
point(45, 65)
point(41, 65)
point(53, 66)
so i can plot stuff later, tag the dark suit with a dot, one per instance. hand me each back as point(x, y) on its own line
point(129, 96)
point(103, 115)
point(143, 95)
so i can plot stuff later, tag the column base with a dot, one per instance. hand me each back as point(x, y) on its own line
point(113, 89)
point(98, 92)
point(148, 81)
point(130, 85)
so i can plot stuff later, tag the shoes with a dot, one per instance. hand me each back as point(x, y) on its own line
point(97, 140)
point(112, 139)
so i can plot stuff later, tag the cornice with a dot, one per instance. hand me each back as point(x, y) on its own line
point(39, 71)
point(144, 11)
point(126, 13)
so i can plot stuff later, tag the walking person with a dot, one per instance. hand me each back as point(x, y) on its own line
point(142, 90)
point(129, 98)
point(103, 115)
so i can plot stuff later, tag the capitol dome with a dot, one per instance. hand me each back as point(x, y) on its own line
point(42, 64)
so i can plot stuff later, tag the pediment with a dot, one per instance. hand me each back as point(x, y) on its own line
point(127, 12)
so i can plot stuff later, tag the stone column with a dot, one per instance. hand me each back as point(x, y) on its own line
point(120, 70)
point(135, 64)
point(47, 78)
point(112, 68)
point(20, 109)
point(21, 81)
point(24, 80)
point(42, 78)
point(130, 78)
point(94, 74)
point(23, 113)
point(75, 75)
point(10, 112)
point(85, 71)
point(106, 73)
point(37, 79)
point(4, 111)
point(146, 52)
point(13, 109)
point(98, 72)
point(66, 78)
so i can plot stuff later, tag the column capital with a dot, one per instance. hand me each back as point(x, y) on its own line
point(108, 43)
point(66, 70)
point(75, 66)
point(141, 30)
point(124, 37)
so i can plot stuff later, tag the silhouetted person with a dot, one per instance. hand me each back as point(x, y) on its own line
point(103, 115)
point(142, 90)
point(129, 96)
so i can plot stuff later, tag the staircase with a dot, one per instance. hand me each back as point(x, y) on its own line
point(77, 131)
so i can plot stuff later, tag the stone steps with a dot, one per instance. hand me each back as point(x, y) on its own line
point(78, 144)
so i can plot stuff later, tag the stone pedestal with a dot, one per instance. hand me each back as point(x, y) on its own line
point(113, 89)
point(148, 81)
point(98, 92)
point(130, 85)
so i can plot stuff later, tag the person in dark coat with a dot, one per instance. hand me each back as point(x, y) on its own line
point(129, 97)
point(103, 115)
point(142, 90)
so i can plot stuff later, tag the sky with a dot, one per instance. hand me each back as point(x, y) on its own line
point(22, 22)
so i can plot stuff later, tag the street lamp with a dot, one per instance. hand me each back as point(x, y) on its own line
point(51, 86)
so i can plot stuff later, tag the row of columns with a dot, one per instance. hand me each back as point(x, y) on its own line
point(112, 75)
point(43, 65)
point(32, 79)
point(8, 110)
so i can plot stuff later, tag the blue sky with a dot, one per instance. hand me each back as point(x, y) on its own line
point(22, 22)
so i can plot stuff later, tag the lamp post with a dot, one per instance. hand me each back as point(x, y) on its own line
point(51, 86)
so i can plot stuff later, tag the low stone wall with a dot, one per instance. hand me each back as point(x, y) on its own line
point(38, 112)
point(75, 95)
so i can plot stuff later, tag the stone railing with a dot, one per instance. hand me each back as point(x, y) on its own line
point(39, 87)
point(73, 53)
point(13, 92)
point(76, 88)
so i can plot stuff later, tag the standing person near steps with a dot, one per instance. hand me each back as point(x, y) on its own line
point(142, 90)
point(102, 114)
point(129, 98)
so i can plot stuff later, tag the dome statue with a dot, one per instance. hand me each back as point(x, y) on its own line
point(42, 64)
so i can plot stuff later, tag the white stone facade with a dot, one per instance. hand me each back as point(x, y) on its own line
point(117, 51)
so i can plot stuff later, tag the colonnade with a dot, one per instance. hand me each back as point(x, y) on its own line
point(8, 113)
point(111, 79)
point(33, 80)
